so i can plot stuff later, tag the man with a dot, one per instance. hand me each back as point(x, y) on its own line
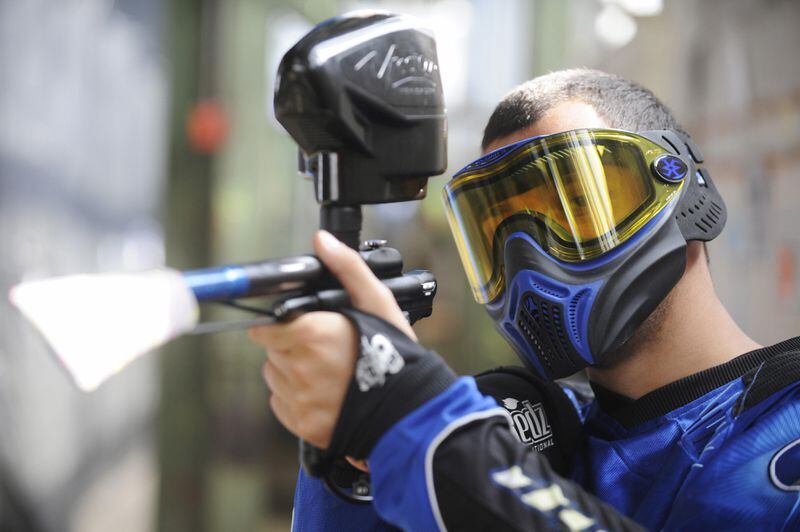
point(585, 244)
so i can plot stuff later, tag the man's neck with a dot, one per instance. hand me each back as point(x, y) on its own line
point(696, 333)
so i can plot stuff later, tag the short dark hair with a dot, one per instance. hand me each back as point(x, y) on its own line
point(620, 102)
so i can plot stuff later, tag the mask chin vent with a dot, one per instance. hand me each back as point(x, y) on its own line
point(547, 321)
point(542, 324)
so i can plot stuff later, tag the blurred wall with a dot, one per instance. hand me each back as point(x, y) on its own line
point(82, 145)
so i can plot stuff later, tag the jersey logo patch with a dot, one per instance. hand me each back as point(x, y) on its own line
point(530, 423)
point(784, 468)
point(379, 357)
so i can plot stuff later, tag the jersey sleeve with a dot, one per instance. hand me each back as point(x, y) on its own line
point(454, 464)
point(316, 509)
point(748, 477)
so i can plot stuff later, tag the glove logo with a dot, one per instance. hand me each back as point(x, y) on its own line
point(530, 423)
point(379, 357)
point(784, 468)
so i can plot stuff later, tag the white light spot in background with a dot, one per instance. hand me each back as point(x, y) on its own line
point(614, 26)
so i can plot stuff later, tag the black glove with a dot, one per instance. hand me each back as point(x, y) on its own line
point(544, 417)
point(390, 365)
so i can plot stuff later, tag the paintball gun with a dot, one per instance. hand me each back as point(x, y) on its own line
point(361, 96)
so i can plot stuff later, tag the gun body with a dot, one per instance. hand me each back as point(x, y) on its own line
point(303, 284)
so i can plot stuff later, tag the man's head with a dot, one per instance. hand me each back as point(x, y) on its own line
point(572, 99)
point(578, 242)
point(586, 98)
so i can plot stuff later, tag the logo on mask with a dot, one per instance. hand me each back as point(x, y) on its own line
point(530, 423)
point(670, 168)
point(378, 358)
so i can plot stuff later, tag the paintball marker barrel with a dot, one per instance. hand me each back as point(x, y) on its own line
point(300, 274)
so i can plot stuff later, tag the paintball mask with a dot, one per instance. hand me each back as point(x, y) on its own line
point(571, 240)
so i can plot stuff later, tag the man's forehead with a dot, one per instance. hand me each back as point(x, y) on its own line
point(561, 117)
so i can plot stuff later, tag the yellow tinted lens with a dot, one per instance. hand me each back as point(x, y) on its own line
point(578, 194)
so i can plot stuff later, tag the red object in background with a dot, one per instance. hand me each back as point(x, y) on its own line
point(206, 126)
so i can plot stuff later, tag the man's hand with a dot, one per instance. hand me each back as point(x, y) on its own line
point(311, 359)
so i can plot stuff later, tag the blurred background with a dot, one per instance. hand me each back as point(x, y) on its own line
point(135, 133)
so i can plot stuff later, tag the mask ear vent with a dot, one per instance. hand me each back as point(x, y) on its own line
point(701, 214)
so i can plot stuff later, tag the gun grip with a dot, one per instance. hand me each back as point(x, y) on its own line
point(316, 462)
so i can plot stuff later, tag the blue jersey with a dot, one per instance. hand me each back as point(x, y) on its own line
point(716, 450)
